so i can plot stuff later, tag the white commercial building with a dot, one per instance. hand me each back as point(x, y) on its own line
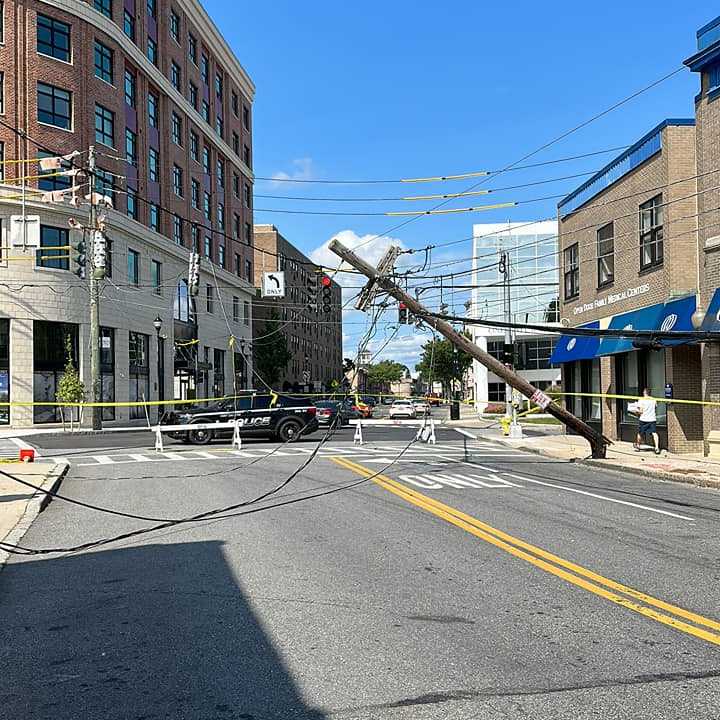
point(531, 251)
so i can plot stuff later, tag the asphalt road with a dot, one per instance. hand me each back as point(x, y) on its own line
point(497, 586)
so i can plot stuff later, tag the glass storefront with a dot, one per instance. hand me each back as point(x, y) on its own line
point(49, 358)
point(4, 371)
point(583, 376)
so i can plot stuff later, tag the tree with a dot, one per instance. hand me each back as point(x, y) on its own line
point(271, 350)
point(71, 388)
point(380, 375)
point(442, 361)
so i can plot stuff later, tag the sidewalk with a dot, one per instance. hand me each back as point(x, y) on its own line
point(691, 468)
point(20, 505)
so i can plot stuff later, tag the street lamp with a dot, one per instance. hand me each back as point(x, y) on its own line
point(157, 324)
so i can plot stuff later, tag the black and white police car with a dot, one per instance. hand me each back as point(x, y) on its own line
point(261, 415)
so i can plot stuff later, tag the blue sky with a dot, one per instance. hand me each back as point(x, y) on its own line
point(398, 89)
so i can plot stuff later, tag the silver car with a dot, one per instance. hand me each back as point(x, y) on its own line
point(402, 408)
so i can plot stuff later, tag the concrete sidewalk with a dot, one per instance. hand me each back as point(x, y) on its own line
point(691, 468)
point(19, 504)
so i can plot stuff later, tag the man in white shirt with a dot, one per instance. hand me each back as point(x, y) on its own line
point(647, 422)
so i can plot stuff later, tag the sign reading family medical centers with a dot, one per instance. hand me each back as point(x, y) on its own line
point(611, 298)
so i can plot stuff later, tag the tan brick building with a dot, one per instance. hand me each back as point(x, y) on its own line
point(153, 85)
point(628, 255)
point(314, 334)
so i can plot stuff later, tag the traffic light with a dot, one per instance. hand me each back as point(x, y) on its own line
point(403, 315)
point(194, 273)
point(326, 284)
point(508, 355)
point(99, 255)
point(311, 291)
point(79, 256)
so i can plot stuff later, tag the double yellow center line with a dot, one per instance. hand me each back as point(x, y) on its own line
point(666, 613)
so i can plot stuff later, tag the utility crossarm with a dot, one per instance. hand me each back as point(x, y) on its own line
point(598, 442)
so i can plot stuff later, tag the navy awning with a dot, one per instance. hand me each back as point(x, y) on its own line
point(711, 323)
point(576, 347)
point(677, 316)
point(647, 318)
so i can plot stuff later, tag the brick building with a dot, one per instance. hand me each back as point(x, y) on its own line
point(314, 337)
point(155, 88)
point(628, 254)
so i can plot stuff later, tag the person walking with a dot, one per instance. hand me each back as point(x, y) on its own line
point(647, 420)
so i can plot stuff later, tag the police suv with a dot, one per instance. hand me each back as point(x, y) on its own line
point(260, 415)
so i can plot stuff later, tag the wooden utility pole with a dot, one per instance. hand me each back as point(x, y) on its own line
point(95, 379)
point(598, 442)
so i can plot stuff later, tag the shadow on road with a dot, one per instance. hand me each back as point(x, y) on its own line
point(159, 631)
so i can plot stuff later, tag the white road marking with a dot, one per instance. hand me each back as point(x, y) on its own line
point(436, 481)
point(103, 459)
point(138, 457)
point(24, 445)
point(203, 454)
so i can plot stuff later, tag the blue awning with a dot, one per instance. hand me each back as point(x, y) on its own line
point(677, 316)
point(647, 318)
point(711, 323)
point(576, 347)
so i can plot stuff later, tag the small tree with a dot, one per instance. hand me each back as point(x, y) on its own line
point(271, 351)
point(71, 388)
point(381, 374)
point(442, 361)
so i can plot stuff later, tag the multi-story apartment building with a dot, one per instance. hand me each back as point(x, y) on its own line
point(531, 264)
point(314, 337)
point(154, 87)
point(628, 254)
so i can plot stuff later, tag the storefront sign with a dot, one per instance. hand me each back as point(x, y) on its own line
point(611, 298)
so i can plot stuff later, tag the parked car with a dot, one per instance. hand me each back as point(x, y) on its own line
point(421, 407)
point(351, 409)
point(327, 410)
point(261, 415)
point(387, 399)
point(402, 408)
point(433, 399)
point(369, 400)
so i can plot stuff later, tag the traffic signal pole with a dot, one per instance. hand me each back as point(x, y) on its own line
point(95, 380)
point(598, 443)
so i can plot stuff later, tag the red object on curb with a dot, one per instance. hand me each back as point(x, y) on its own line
point(27, 455)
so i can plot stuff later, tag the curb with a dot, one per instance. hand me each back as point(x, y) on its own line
point(35, 506)
point(615, 467)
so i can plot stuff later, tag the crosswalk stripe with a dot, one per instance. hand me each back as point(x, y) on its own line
point(103, 459)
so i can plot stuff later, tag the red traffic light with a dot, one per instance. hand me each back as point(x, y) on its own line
point(325, 281)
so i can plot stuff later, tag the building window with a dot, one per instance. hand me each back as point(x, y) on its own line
point(139, 375)
point(193, 95)
point(571, 269)
point(182, 305)
point(236, 185)
point(248, 271)
point(177, 230)
point(234, 104)
point(156, 273)
point(54, 181)
point(53, 38)
point(104, 126)
point(54, 106)
point(220, 173)
point(177, 178)
point(130, 88)
point(247, 194)
point(107, 371)
point(206, 160)
point(246, 155)
point(49, 360)
point(246, 117)
point(248, 233)
point(53, 237)
point(2, 40)
point(152, 108)
point(105, 183)
point(210, 298)
point(219, 125)
point(496, 392)
point(236, 143)
point(206, 111)
point(606, 254)
point(195, 193)
point(236, 226)
point(246, 312)
point(208, 247)
point(177, 133)
point(194, 146)
point(218, 373)
point(192, 48)
point(236, 308)
point(129, 24)
point(2, 93)
point(152, 51)
point(153, 165)
point(195, 232)
point(133, 267)
point(175, 75)
point(132, 206)
point(651, 233)
point(221, 256)
point(103, 62)
point(104, 6)
point(131, 147)
point(218, 86)
point(204, 68)
point(152, 8)
point(2, 165)
point(175, 26)
point(206, 206)
point(154, 217)
point(238, 264)
point(221, 216)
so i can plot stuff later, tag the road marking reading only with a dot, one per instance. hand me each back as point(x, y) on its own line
point(627, 597)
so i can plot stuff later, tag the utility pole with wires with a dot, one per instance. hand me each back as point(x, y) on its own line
point(95, 379)
point(598, 442)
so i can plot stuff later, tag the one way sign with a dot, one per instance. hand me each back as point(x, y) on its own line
point(273, 284)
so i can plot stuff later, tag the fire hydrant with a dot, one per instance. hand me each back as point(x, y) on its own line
point(505, 423)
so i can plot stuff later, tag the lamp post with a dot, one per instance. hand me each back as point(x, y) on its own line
point(157, 324)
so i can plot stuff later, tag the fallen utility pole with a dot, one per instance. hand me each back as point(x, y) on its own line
point(598, 442)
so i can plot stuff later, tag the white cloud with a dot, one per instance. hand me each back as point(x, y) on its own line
point(302, 170)
point(406, 349)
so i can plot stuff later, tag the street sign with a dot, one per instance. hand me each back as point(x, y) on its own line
point(306, 376)
point(25, 231)
point(273, 284)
